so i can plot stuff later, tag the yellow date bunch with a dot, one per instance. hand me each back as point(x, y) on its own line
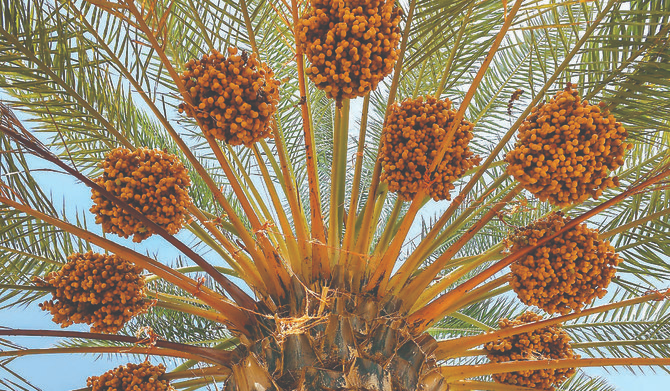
point(233, 98)
point(104, 291)
point(351, 45)
point(412, 135)
point(131, 377)
point(566, 148)
point(566, 273)
point(152, 181)
point(546, 343)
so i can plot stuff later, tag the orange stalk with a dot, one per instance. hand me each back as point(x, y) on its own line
point(108, 349)
point(272, 269)
point(453, 347)
point(445, 282)
point(297, 211)
point(369, 223)
point(220, 357)
point(320, 259)
point(286, 231)
point(349, 231)
point(413, 290)
point(382, 266)
point(430, 314)
point(243, 265)
point(197, 372)
point(466, 371)
point(188, 309)
point(490, 289)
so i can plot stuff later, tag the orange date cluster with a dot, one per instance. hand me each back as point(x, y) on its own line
point(152, 181)
point(566, 148)
point(547, 343)
point(232, 98)
point(411, 138)
point(100, 290)
point(351, 45)
point(566, 273)
point(131, 377)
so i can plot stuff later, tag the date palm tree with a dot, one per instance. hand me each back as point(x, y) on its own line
point(372, 195)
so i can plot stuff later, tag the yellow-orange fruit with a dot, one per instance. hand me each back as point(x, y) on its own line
point(151, 181)
point(351, 45)
point(566, 273)
point(566, 148)
point(411, 137)
point(104, 291)
point(233, 98)
point(131, 377)
point(547, 343)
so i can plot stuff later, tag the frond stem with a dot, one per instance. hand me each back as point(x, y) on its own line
point(319, 253)
point(217, 356)
point(467, 371)
point(338, 176)
point(349, 232)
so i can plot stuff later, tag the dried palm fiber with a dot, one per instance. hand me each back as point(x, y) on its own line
point(131, 377)
point(333, 340)
point(411, 138)
point(152, 181)
point(104, 291)
point(566, 148)
point(565, 274)
point(351, 45)
point(233, 98)
point(550, 342)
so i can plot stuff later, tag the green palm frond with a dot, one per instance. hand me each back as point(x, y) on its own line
point(90, 76)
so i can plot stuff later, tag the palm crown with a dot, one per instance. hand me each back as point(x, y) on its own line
point(539, 121)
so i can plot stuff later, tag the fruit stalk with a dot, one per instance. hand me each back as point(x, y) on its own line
point(321, 268)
